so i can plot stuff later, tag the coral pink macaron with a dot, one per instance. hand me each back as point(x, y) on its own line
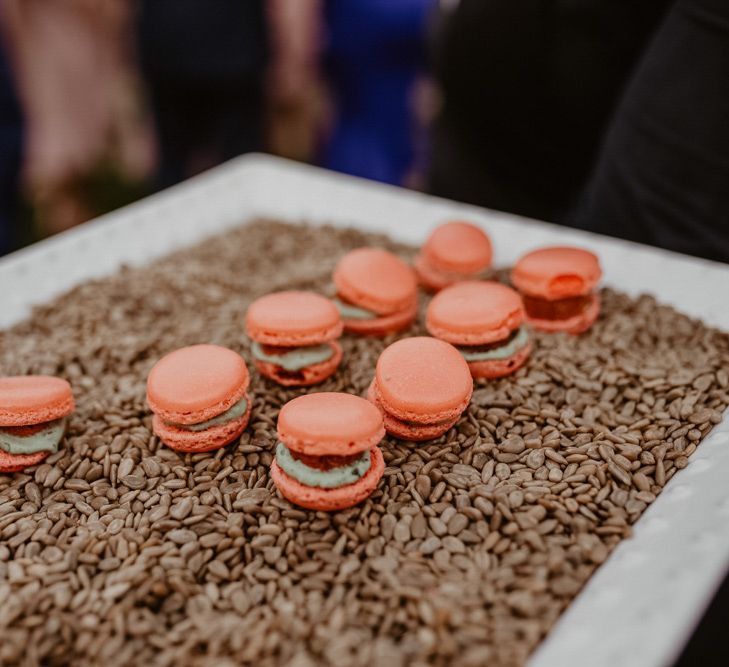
point(422, 386)
point(377, 292)
point(484, 320)
point(327, 457)
point(558, 288)
point(33, 409)
point(295, 337)
point(454, 251)
point(199, 398)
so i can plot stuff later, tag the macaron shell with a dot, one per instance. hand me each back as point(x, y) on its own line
point(329, 424)
point(376, 280)
point(557, 272)
point(408, 431)
point(416, 432)
point(459, 247)
point(498, 368)
point(17, 462)
point(474, 313)
point(196, 383)
point(330, 500)
point(311, 375)
point(574, 325)
point(432, 279)
point(423, 380)
point(34, 399)
point(382, 326)
point(214, 437)
point(293, 318)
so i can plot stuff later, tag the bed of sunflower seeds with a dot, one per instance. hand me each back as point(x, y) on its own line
point(117, 550)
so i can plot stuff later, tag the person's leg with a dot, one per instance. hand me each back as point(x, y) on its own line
point(663, 174)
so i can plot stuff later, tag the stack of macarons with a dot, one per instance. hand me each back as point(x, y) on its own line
point(557, 285)
point(199, 397)
point(294, 337)
point(485, 320)
point(33, 411)
point(455, 251)
point(421, 386)
point(327, 456)
point(376, 292)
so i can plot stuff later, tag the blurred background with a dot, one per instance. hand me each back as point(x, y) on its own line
point(609, 115)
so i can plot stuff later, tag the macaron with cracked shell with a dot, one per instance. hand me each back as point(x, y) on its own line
point(327, 457)
point(421, 386)
point(454, 251)
point(199, 397)
point(377, 292)
point(485, 321)
point(33, 412)
point(295, 337)
point(558, 285)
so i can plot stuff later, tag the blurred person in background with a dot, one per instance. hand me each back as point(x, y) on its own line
point(662, 176)
point(364, 59)
point(604, 114)
point(204, 65)
point(374, 54)
point(73, 71)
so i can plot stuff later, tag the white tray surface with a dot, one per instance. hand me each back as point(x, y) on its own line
point(642, 604)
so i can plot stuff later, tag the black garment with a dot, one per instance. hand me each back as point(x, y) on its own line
point(203, 61)
point(663, 175)
point(11, 146)
point(528, 89)
point(203, 125)
point(193, 41)
point(709, 646)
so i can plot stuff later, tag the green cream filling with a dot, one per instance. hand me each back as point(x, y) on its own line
point(233, 412)
point(296, 359)
point(323, 479)
point(350, 312)
point(503, 352)
point(46, 440)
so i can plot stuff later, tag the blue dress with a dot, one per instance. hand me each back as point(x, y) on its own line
point(375, 50)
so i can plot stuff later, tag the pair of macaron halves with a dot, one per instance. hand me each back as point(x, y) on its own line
point(421, 386)
point(454, 252)
point(327, 456)
point(558, 285)
point(199, 397)
point(485, 321)
point(295, 337)
point(33, 412)
point(376, 292)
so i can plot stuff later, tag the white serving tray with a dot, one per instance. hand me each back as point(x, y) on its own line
point(642, 604)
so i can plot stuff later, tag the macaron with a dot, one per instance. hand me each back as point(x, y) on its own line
point(295, 337)
point(485, 321)
point(199, 398)
point(377, 292)
point(421, 386)
point(557, 285)
point(327, 456)
point(454, 251)
point(33, 411)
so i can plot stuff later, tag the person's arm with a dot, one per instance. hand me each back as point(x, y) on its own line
point(662, 176)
